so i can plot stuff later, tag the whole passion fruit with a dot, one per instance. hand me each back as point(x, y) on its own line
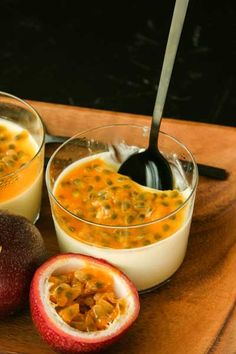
point(22, 250)
point(81, 304)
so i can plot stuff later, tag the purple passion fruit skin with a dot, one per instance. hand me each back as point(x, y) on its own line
point(22, 250)
point(56, 333)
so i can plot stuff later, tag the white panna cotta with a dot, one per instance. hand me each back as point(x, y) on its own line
point(143, 232)
point(21, 171)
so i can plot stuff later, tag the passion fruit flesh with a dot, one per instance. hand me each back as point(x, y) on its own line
point(57, 333)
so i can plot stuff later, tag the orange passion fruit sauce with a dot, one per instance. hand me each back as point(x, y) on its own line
point(85, 299)
point(16, 149)
point(94, 191)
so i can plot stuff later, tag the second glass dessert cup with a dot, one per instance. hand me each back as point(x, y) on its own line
point(148, 252)
point(21, 157)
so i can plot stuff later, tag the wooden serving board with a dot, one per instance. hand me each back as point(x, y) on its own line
point(195, 312)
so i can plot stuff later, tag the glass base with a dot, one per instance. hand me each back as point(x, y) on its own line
point(153, 288)
point(36, 219)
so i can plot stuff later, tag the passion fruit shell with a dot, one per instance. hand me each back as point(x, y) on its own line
point(58, 334)
point(22, 250)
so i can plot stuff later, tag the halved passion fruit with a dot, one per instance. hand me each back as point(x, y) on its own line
point(81, 304)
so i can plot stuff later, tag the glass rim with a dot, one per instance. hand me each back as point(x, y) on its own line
point(193, 189)
point(10, 174)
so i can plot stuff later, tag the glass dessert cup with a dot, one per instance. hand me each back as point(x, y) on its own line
point(147, 263)
point(21, 128)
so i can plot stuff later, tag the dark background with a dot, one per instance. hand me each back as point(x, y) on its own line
point(108, 55)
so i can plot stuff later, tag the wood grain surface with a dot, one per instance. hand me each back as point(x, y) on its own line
point(195, 311)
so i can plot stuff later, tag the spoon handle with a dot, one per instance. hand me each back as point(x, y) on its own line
point(54, 139)
point(168, 63)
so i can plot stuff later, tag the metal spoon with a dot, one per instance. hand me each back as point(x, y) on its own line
point(203, 170)
point(150, 168)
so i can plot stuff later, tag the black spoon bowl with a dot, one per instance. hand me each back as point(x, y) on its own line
point(150, 168)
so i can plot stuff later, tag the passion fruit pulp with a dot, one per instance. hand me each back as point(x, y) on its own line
point(60, 327)
point(22, 250)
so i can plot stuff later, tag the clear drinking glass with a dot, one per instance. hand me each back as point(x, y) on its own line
point(148, 265)
point(20, 183)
